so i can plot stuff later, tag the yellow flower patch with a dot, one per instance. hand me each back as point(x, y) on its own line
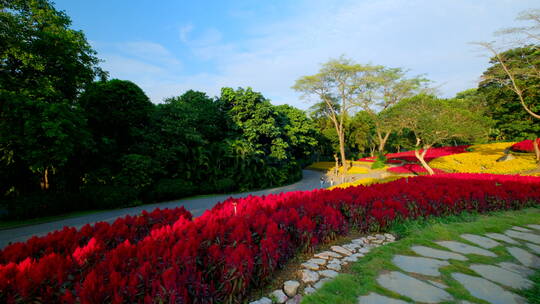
point(367, 181)
point(483, 159)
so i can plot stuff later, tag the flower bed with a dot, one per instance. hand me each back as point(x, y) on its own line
point(237, 245)
point(367, 181)
point(483, 159)
point(430, 155)
point(412, 169)
point(525, 146)
point(67, 240)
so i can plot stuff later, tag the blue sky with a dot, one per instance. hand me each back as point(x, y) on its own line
point(168, 47)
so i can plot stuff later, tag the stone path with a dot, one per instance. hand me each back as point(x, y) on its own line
point(419, 279)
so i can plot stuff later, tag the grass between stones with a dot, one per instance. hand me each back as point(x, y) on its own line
point(361, 277)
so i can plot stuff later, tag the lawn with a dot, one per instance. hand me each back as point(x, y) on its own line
point(360, 280)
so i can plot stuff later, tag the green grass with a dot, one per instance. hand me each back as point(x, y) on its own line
point(361, 280)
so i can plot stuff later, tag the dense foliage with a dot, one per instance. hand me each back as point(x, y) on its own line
point(70, 139)
point(236, 246)
point(512, 122)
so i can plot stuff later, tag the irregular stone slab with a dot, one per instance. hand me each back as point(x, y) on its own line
point(364, 250)
point(419, 265)
point(309, 276)
point(280, 296)
point(465, 249)
point(524, 257)
point(335, 261)
point(327, 254)
point(310, 266)
point(521, 229)
point(263, 300)
point(533, 247)
point(320, 284)
point(534, 238)
point(360, 241)
point(438, 254)
point(438, 284)
point(317, 261)
point(295, 300)
point(481, 241)
point(534, 226)
point(502, 276)
point(309, 290)
point(351, 247)
point(375, 298)
point(519, 269)
point(502, 237)
point(341, 250)
point(328, 273)
point(486, 290)
point(413, 288)
point(291, 287)
point(389, 236)
point(333, 266)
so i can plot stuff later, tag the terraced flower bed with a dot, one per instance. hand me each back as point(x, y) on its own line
point(236, 246)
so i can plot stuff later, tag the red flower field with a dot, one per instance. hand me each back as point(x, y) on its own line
point(525, 146)
point(232, 248)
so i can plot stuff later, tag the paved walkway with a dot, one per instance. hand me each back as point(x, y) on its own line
point(310, 181)
point(421, 281)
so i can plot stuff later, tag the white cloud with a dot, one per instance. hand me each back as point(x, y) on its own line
point(427, 37)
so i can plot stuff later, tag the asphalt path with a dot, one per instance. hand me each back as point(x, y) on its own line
point(196, 205)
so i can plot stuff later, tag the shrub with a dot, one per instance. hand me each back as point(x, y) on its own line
point(168, 189)
point(109, 196)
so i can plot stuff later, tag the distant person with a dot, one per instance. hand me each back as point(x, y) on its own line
point(322, 182)
point(332, 182)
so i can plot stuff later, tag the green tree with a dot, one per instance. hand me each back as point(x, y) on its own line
point(518, 69)
point(44, 65)
point(433, 121)
point(118, 115)
point(339, 82)
point(389, 86)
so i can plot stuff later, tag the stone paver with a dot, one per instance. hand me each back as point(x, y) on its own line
point(533, 247)
point(502, 237)
point(524, 257)
point(520, 269)
point(486, 290)
point(437, 254)
point(375, 298)
point(465, 249)
point(521, 229)
point(481, 241)
point(502, 276)
point(410, 287)
point(534, 226)
point(328, 273)
point(419, 265)
point(534, 238)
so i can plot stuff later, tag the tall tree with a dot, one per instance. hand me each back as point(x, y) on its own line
point(339, 82)
point(518, 69)
point(389, 86)
point(44, 66)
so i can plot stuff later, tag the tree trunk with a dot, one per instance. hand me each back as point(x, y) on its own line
point(536, 150)
point(342, 152)
point(420, 156)
point(45, 179)
point(382, 141)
